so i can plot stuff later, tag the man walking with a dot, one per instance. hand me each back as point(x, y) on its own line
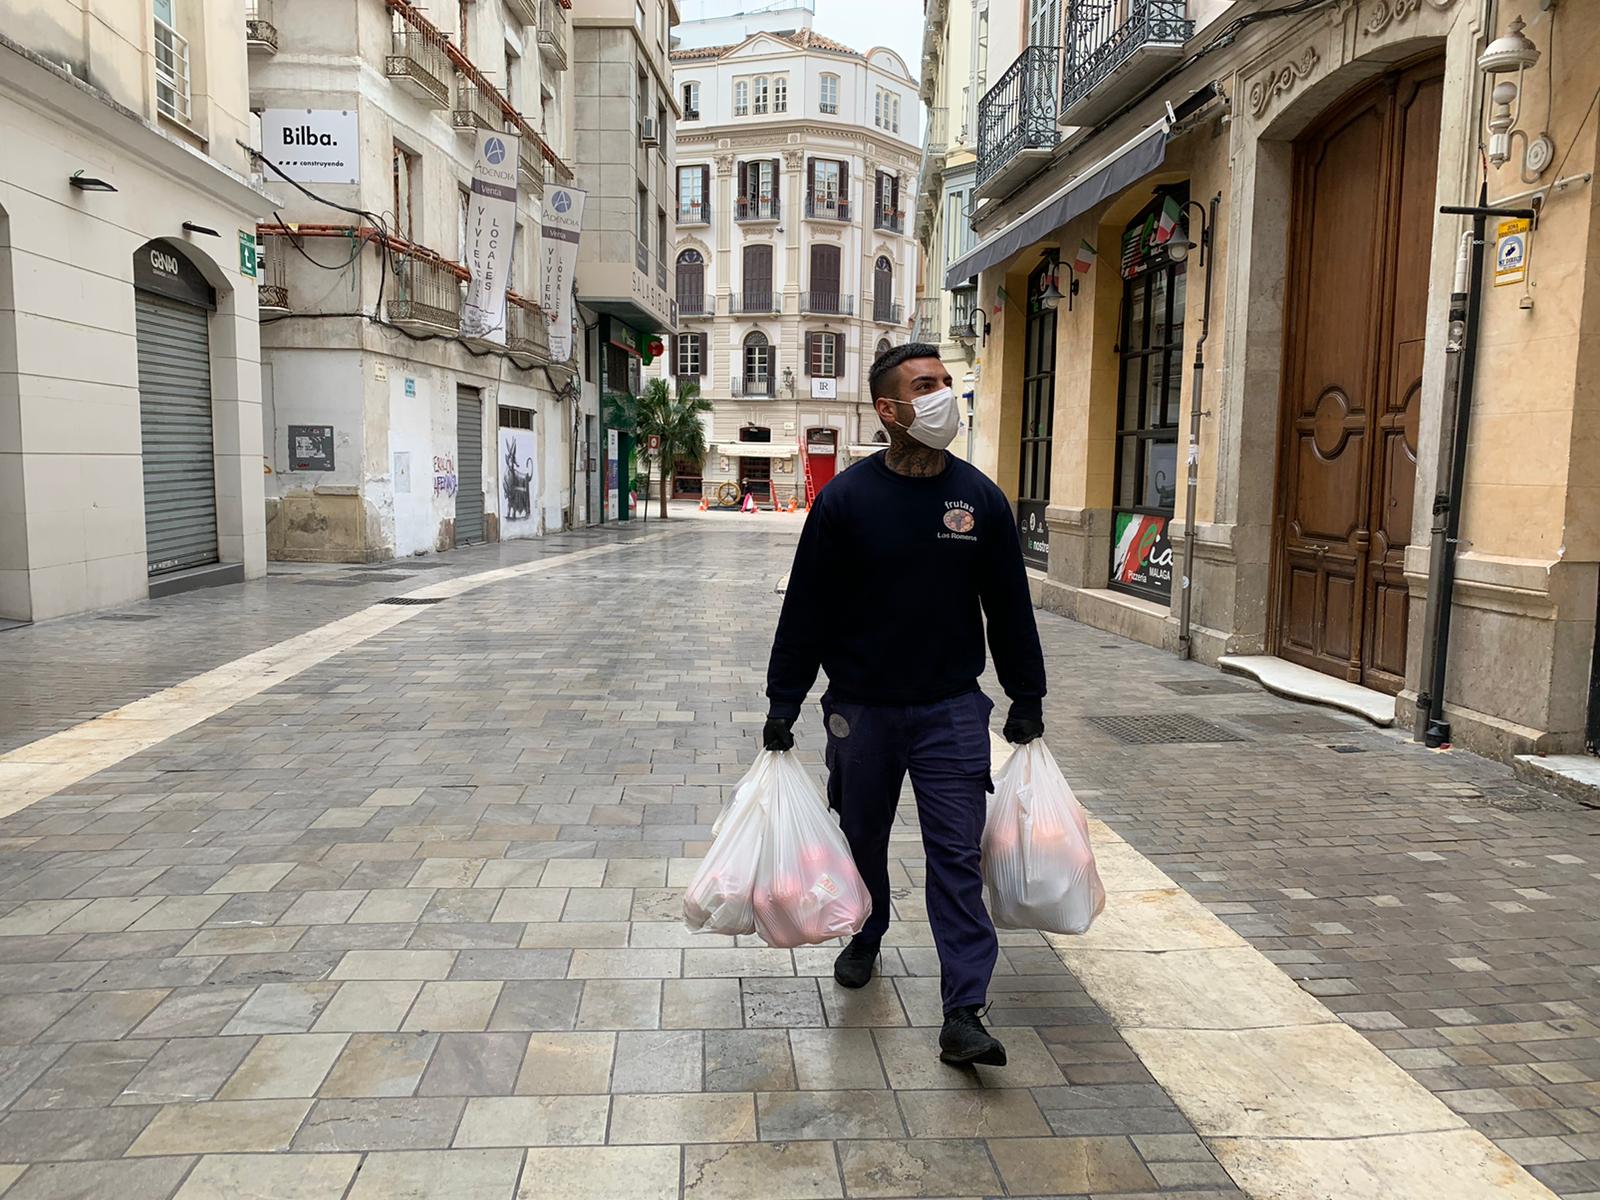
point(898, 556)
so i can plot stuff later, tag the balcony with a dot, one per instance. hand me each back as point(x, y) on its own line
point(1115, 48)
point(828, 304)
point(260, 31)
point(522, 12)
point(888, 312)
point(925, 325)
point(425, 294)
point(694, 212)
point(764, 208)
point(272, 288)
point(474, 110)
point(527, 330)
point(697, 306)
point(419, 64)
point(1017, 121)
point(531, 166)
point(763, 302)
point(824, 206)
point(935, 137)
point(894, 222)
point(751, 387)
point(172, 73)
point(553, 34)
point(964, 318)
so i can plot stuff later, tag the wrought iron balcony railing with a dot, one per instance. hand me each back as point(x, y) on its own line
point(425, 292)
point(419, 62)
point(763, 208)
point(553, 34)
point(894, 222)
point(824, 206)
point(172, 72)
point(1019, 112)
point(527, 330)
point(260, 30)
point(758, 387)
point(474, 110)
point(925, 325)
point(964, 313)
point(272, 272)
point(935, 137)
point(697, 305)
point(694, 212)
point(888, 311)
point(1104, 35)
point(766, 301)
point(831, 304)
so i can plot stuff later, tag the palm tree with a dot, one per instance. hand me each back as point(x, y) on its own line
point(675, 419)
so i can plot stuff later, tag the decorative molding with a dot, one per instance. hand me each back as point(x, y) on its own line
point(794, 159)
point(1283, 80)
point(1393, 12)
point(724, 164)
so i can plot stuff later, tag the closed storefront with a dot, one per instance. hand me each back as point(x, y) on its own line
point(469, 464)
point(173, 306)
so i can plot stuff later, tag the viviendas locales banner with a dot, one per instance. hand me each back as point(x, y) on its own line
point(491, 232)
point(563, 222)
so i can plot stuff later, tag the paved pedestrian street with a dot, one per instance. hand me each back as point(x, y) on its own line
point(306, 895)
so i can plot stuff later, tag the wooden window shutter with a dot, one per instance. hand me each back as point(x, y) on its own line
point(844, 187)
point(744, 192)
point(880, 191)
point(705, 191)
point(894, 193)
point(811, 177)
point(811, 353)
point(672, 355)
point(838, 355)
point(777, 175)
point(705, 360)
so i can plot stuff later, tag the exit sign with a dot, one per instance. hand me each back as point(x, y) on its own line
point(247, 253)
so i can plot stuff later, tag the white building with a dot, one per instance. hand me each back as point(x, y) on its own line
point(129, 388)
point(387, 431)
point(795, 265)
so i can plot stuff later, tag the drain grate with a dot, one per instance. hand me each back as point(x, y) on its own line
point(412, 600)
point(130, 617)
point(318, 581)
point(1291, 722)
point(1348, 749)
point(1203, 687)
point(1157, 729)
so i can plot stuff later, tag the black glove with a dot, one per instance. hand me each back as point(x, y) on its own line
point(778, 734)
point(1019, 731)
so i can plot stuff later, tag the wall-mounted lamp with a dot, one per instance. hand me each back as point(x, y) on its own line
point(1512, 54)
point(88, 183)
point(1182, 240)
point(191, 227)
point(1050, 293)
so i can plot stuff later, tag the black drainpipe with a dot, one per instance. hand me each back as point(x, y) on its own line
point(1438, 729)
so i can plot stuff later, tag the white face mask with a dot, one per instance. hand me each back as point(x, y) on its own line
point(937, 421)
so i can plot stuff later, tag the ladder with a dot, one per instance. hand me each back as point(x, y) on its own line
point(811, 482)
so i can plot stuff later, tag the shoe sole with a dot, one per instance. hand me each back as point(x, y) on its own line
point(844, 983)
point(995, 1056)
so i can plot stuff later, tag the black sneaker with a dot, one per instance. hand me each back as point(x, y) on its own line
point(964, 1040)
point(853, 967)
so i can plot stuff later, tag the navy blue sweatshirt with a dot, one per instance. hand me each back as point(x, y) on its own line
point(886, 591)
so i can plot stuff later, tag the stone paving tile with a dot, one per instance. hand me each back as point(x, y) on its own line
point(296, 1177)
point(122, 1178)
point(438, 1175)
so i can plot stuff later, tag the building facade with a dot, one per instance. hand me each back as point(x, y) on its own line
point(129, 388)
point(1211, 235)
point(392, 426)
point(794, 261)
point(624, 159)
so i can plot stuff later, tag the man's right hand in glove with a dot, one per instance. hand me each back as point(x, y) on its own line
point(778, 734)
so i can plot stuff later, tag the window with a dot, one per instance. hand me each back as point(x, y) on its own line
point(407, 181)
point(661, 247)
point(642, 251)
point(761, 94)
point(958, 235)
point(758, 294)
point(825, 355)
point(758, 190)
point(883, 304)
point(513, 70)
point(780, 93)
point(886, 110)
point(877, 108)
point(824, 295)
point(516, 418)
point(463, 208)
point(690, 355)
point(827, 189)
point(894, 126)
point(694, 184)
point(691, 102)
point(886, 211)
point(828, 93)
point(757, 365)
point(692, 298)
point(883, 347)
point(741, 99)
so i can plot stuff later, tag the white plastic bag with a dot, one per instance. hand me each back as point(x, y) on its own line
point(779, 865)
point(1038, 867)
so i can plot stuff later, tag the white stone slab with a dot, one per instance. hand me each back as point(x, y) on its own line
point(1458, 1165)
point(1309, 1081)
point(1157, 920)
point(1302, 683)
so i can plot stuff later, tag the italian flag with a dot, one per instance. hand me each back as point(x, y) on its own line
point(1084, 258)
point(1167, 222)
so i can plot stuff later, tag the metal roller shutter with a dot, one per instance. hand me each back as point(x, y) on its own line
point(469, 466)
point(180, 485)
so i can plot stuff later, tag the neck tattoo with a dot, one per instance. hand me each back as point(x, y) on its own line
point(907, 456)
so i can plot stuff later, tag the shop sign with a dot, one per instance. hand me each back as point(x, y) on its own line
point(247, 253)
point(824, 388)
point(612, 496)
point(163, 269)
point(1511, 252)
point(1034, 532)
point(1141, 557)
point(312, 145)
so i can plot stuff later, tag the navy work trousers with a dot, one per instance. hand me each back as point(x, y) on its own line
point(945, 748)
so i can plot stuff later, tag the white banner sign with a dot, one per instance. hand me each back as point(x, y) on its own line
point(312, 145)
point(824, 388)
point(563, 222)
point(491, 232)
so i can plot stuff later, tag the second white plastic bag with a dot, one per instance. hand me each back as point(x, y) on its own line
point(720, 897)
point(1038, 867)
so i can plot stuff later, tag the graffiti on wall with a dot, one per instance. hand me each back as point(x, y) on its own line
point(445, 482)
point(517, 485)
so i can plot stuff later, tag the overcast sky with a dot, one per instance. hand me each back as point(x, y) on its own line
point(863, 24)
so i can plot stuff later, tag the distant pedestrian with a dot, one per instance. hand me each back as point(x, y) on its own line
point(900, 560)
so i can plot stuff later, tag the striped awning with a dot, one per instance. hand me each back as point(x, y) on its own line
point(755, 450)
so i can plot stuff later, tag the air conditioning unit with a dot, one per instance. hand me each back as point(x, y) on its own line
point(647, 133)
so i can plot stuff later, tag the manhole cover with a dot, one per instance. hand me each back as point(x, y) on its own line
point(1203, 687)
point(130, 617)
point(1348, 749)
point(1291, 722)
point(1163, 729)
point(412, 600)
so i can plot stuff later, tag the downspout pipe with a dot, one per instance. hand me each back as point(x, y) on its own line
point(1437, 732)
point(1196, 411)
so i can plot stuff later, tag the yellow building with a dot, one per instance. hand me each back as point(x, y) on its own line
point(1143, 169)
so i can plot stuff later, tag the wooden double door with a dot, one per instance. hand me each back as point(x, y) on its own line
point(1361, 237)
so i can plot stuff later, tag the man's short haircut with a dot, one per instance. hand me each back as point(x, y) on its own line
point(892, 358)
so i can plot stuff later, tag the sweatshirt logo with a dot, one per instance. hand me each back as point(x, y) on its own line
point(958, 516)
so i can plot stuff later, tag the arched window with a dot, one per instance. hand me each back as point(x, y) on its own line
point(692, 299)
point(761, 94)
point(883, 346)
point(741, 99)
point(780, 93)
point(757, 364)
point(883, 290)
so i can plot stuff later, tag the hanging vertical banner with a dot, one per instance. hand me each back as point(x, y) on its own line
point(563, 222)
point(491, 231)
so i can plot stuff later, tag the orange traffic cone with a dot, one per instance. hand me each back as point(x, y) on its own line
point(792, 505)
point(704, 504)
